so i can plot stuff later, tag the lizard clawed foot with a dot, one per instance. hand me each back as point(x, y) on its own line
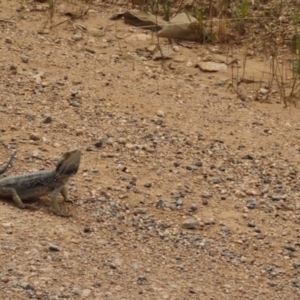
point(59, 212)
point(69, 200)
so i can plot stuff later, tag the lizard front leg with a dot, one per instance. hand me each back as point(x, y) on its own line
point(10, 192)
point(64, 193)
point(55, 207)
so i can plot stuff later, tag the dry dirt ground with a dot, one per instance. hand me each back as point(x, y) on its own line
point(163, 149)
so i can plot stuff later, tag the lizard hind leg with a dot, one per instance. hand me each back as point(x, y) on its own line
point(10, 192)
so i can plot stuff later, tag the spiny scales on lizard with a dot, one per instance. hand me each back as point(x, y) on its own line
point(41, 183)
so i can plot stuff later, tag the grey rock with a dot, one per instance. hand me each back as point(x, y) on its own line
point(160, 113)
point(86, 293)
point(251, 224)
point(47, 120)
point(275, 197)
point(35, 137)
point(191, 167)
point(74, 93)
point(216, 181)
point(99, 143)
point(204, 201)
point(296, 265)
point(53, 247)
point(290, 247)
point(224, 229)
point(141, 280)
point(160, 203)
point(26, 286)
point(173, 206)
point(193, 208)
point(190, 224)
point(139, 211)
point(25, 58)
point(122, 140)
point(198, 163)
point(87, 229)
point(251, 203)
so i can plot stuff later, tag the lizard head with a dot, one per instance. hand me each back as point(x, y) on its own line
point(68, 165)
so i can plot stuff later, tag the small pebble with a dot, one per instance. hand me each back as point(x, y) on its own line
point(25, 58)
point(87, 229)
point(190, 224)
point(251, 224)
point(47, 120)
point(191, 167)
point(160, 113)
point(53, 247)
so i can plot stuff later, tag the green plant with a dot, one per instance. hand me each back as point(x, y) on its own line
point(166, 7)
point(155, 6)
point(199, 24)
point(239, 13)
point(204, 33)
point(51, 10)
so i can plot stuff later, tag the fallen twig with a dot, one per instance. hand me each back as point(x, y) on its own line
point(4, 168)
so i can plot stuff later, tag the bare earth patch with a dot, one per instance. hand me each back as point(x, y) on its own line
point(185, 191)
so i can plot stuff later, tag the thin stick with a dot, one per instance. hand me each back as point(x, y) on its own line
point(4, 168)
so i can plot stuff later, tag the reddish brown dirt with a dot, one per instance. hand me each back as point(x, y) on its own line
point(120, 244)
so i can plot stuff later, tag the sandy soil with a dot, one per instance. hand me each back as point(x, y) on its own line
point(165, 147)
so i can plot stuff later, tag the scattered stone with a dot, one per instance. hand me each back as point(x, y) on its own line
point(148, 184)
point(139, 211)
point(248, 156)
point(204, 201)
point(116, 16)
point(206, 194)
point(251, 224)
point(8, 40)
point(224, 229)
point(95, 32)
point(209, 66)
point(181, 27)
point(77, 36)
point(296, 265)
point(122, 140)
point(290, 247)
point(198, 163)
point(36, 154)
point(86, 293)
point(160, 113)
point(99, 143)
point(27, 286)
point(53, 247)
point(160, 203)
point(74, 93)
point(87, 229)
point(193, 208)
point(25, 58)
point(141, 280)
point(263, 91)
point(191, 167)
point(210, 221)
point(276, 197)
point(139, 18)
point(251, 203)
point(163, 53)
point(190, 224)
point(47, 120)
point(35, 136)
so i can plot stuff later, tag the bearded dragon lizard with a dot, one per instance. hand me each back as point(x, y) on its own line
point(40, 183)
